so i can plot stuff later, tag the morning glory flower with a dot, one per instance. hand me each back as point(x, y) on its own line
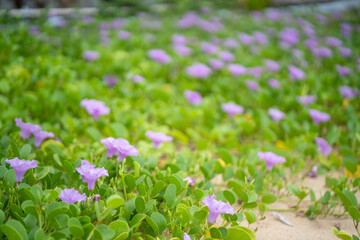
point(178, 39)
point(255, 71)
point(186, 237)
point(40, 136)
point(26, 128)
point(216, 63)
point(348, 92)
point(159, 55)
point(231, 43)
point(190, 180)
point(158, 137)
point(198, 70)
point(254, 86)
point(322, 52)
point(95, 108)
point(182, 50)
point(193, 97)
point(290, 36)
point(245, 39)
point(124, 35)
point(333, 41)
point(306, 100)
point(71, 195)
point(274, 83)
point(216, 208)
point(343, 71)
point(111, 80)
point(226, 56)
point(119, 147)
point(21, 166)
point(323, 146)
point(296, 73)
point(345, 52)
point(232, 109)
point(90, 174)
point(271, 65)
point(209, 47)
point(271, 159)
point(236, 69)
point(91, 55)
point(318, 116)
point(260, 38)
point(276, 114)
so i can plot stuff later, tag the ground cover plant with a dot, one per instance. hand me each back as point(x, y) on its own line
point(176, 125)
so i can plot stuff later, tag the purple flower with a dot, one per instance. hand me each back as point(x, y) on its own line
point(209, 47)
point(91, 55)
point(193, 97)
point(343, 71)
point(119, 147)
point(190, 180)
point(322, 52)
point(96, 197)
point(236, 69)
point(274, 83)
point(216, 63)
point(57, 21)
point(71, 195)
point(348, 92)
point(318, 116)
point(231, 43)
point(271, 159)
point(272, 66)
point(95, 108)
point(311, 43)
point(182, 50)
point(246, 39)
point(124, 34)
point(198, 70)
point(345, 52)
point(111, 80)
point(255, 71)
point(138, 78)
point(87, 19)
point(306, 100)
point(254, 86)
point(333, 42)
point(216, 208)
point(296, 73)
point(186, 237)
point(314, 172)
point(21, 166)
point(90, 174)
point(290, 36)
point(323, 146)
point(178, 39)
point(260, 38)
point(40, 136)
point(276, 114)
point(159, 55)
point(158, 137)
point(26, 128)
point(226, 56)
point(232, 109)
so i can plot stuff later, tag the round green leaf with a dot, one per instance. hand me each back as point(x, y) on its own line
point(160, 221)
point(230, 196)
point(114, 201)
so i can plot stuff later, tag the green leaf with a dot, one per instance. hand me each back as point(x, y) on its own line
point(348, 199)
point(119, 226)
point(139, 204)
point(15, 149)
point(137, 219)
point(341, 234)
point(215, 233)
point(40, 173)
point(75, 227)
point(250, 216)
point(93, 133)
point(237, 233)
point(39, 234)
point(27, 194)
point(130, 181)
point(25, 151)
point(302, 194)
point(354, 213)
point(183, 213)
point(114, 201)
point(350, 163)
point(29, 207)
point(202, 214)
point(56, 208)
point(2, 217)
point(199, 194)
point(104, 232)
point(294, 190)
point(170, 195)
point(226, 156)
point(224, 232)
point(252, 197)
point(14, 230)
point(160, 221)
point(152, 224)
point(230, 196)
point(268, 198)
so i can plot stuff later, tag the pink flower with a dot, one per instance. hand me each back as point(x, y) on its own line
point(119, 147)
point(322, 52)
point(40, 136)
point(260, 38)
point(246, 39)
point(216, 63)
point(186, 237)
point(182, 50)
point(111, 80)
point(21, 166)
point(158, 137)
point(159, 55)
point(345, 52)
point(124, 34)
point(342, 70)
point(178, 39)
point(290, 36)
point(216, 208)
point(348, 92)
point(274, 83)
point(271, 159)
point(209, 47)
point(271, 65)
point(95, 108)
point(193, 97)
point(236, 69)
point(276, 114)
point(198, 70)
point(231, 43)
point(306, 100)
point(232, 109)
point(91, 55)
point(254, 86)
point(26, 128)
point(71, 195)
point(138, 78)
point(318, 116)
point(226, 56)
point(333, 41)
point(90, 174)
point(296, 73)
point(323, 146)
point(255, 71)
point(191, 181)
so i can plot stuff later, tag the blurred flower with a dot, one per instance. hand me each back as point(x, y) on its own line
point(91, 55)
point(138, 78)
point(70, 195)
point(254, 86)
point(96, 197)
point(323, 146)
point(34, 30)
point(318, 116)
point(57, 21)
point(191, 181)
point(159, 55)
point(182, 50)
point(245, 39)
point(348, 92)
point(226, 56)
point(271, 65)
point(122, 34)
point(40, 136)
point(90, 174)
point(26, 128)
point(95, 108)
point(236, 69)
point(193, 97)
point(21, 166)
point(87, 19)
point(260, 38)
point(306, 100)
point(342, 70)
point(231, 43)
point(119, 147)
point(322, 52)
point(216, 208)
point(111, 80)
point(255, 71)
point(271, 159)
point(314, 172)
point(276, 114)
point(186, 237)
point(209, 47)
point(178, 39)
point(232, 109)
point(296, 73)
point(345, 52)
point(198, 70)
point(158, 137)
point(216, 63)
point(311, 43)
point(290, 36)
point(333, 41)
point(274, 83)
